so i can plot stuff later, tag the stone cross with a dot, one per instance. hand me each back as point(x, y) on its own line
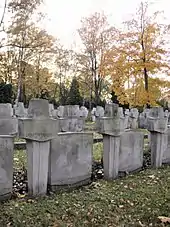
point(38, 129)
point(111, 126)
point(19, 110)
point(127, 114)
point(71, 152)
point(71, 120)
point(134, 114)
point(157, 125)
point(99, 111)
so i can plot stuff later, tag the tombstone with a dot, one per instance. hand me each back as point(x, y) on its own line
point(111, 126)
point(99, 111)
point(71, 152)
point(19, 110)
point(60, 111)
point(8, 129)
point(131, 151)
point(127, 113)
point(93, 116)
point(133, 118)
point(157, 125)
point(83, 112)
point(142, 120)
point(166, 154)
point(71, 120)
point(38, 129)
point(70, 160)
point(51, 109)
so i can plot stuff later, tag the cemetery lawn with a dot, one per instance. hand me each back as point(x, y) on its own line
point(136, 200)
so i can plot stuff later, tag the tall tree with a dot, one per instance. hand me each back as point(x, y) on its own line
point(19, 36)
point(96, 35)
point(140, 54)
point(74, 97)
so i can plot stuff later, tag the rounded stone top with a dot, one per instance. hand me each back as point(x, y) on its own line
point(111, 110)
point(6, 110)
point(38, 108)
point(156, 112)
point(71, 111)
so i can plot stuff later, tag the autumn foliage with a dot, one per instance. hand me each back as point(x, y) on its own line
point(131, 61)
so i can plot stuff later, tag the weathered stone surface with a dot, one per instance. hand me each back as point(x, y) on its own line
point(110, 126)
point(37, 155)
point(6, 110)
point(8, 125)
point(71, 124)
point(6, 166)
point(131, 151)
point(70, 159)
point(19, 109)
point(39, 126)
point(156, 121)
point(60, 111)
point(166, 153)
point(71, 111)
point(83, 112)
point(111, 110)
point(51, 109)
point(111, 146)
point(38, 129)
point(38, 108)
point(126, 121)
point(99, 111)
point(157, 148)
point(133, 118)
point(72, 121)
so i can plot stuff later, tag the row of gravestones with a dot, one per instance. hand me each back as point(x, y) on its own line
point(59, 153)
point(123, 148)
point(130, 116)
point(20, 111)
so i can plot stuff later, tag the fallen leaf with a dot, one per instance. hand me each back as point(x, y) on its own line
point(164, 219)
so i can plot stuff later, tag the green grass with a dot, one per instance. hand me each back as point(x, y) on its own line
point(20, 160)
point(97, 151)
point(136, 200)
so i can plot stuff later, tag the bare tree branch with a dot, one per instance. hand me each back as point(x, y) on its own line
point(3, 14)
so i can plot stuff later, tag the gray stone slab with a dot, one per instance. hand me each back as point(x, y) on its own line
point(70, 159)
point(166, 154)
point(157, 148)
point(38, 129)
point(6, 166)
point(131, 151)
point(71, 124)
point(111, 147)
point(38, 108)
point(110, 126)
point(37, 155)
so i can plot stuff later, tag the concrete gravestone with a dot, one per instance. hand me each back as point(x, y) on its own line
point(38, 129)
point(71, 153)
point(19, 110)
point(131, 151)
point(133, 118)
point(8, 129)
point(111, 126)
point(71, 120)
point(70, 159)
point(157, 125)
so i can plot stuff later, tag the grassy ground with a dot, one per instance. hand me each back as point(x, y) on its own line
point(136, 200)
